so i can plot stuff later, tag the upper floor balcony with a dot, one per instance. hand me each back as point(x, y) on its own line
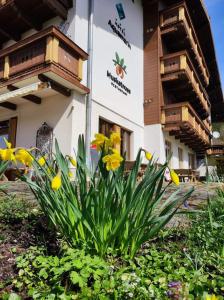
point(181, 121)
point(178, 30)
point(18, 16)
point(47, 56)
point(180, 77)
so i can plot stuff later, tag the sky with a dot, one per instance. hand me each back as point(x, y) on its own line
point(216, 12)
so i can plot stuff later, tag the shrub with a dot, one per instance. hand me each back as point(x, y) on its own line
point(104, 207)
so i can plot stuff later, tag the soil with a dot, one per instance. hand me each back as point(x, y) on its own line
point(15, 239)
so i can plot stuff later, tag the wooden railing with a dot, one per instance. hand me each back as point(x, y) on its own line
point(178, 62)
point(216, 151)
point(179, 13)
point(179, 113)
point(65, 3)
point(46, 51)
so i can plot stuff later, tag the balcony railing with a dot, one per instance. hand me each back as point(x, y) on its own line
point(179, 15)
point(48, 53)
point(19, 16)
point(216, 151)
point(178, 65)
point(182, 121)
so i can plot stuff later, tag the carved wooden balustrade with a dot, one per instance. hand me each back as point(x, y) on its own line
point(176, 20)
point(181, 121)
point(46, 54)
point(177, 71)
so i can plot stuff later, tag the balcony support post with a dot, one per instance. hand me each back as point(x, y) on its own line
point(185, 114)
point(52, 50)
point(6, 68)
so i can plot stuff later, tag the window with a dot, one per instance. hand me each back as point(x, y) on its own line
point(191, 160)
point(180, 156)
point(8, 131)
point(168, 149)
point(106, 128)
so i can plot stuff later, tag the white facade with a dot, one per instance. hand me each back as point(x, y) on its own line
point(116, 97)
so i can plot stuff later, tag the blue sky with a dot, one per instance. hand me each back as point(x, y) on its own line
point(216, 12)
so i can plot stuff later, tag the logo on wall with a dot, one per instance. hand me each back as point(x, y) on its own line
point(120, 69)
point(116, 26)
point(120, 11)
point(120, 66)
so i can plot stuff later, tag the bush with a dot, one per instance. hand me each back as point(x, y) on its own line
point(104, 207)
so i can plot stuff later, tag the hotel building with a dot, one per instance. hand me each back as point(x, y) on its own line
point(146, 69)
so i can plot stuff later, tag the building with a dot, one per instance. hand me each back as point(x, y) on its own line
point(146, 69)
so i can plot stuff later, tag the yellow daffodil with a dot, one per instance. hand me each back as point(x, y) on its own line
point(7, 154)
point(115, 138)
point(174, 177)
point(211, 297)
point(70, 174)
point(42, 161)
point(24, 157)
point(72, 161)
point(56, 182)
point(112, 161)
point(100, 141)
point(8, 144)
point(148, 155)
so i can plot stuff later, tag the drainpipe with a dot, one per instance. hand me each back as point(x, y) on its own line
point(89, 81)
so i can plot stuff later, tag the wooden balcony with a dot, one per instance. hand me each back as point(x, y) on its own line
point(47, 56)
point(179, 76)
point(178, 30)
point(18, 16)
point(181, 121)
point(216, 151)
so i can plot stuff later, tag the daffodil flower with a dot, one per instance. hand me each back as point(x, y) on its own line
point(72, 161)
point(148, 156)
point(8, 153)
point(100, 141)
point(211, 297)
point(174, 177)
point(24, 157)
point(56, 182)
point(115, 138)
point(42, 161)
point(112, 161)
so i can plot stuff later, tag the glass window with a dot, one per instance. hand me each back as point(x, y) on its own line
point(4, 133)
point(106, 128)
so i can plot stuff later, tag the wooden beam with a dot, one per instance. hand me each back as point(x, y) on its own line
point(8, 105)
point(57, 8)
point(31, 98)
point(9, 34)
point(55, 85)
point(31, 22)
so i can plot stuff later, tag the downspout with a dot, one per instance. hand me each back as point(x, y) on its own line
point(89, 81)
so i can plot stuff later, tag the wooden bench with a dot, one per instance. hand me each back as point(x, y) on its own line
point(189, 174)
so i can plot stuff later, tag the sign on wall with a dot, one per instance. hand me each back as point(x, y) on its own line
point(118, 56)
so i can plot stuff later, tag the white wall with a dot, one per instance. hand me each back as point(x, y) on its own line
point(64, 115)
point(155, 143)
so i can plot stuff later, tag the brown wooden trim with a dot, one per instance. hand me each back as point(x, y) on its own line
point(8, 105)
point(55, 85)
point(31, 98)
point(13, 131)
point(177, 5)
point(52, 30)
